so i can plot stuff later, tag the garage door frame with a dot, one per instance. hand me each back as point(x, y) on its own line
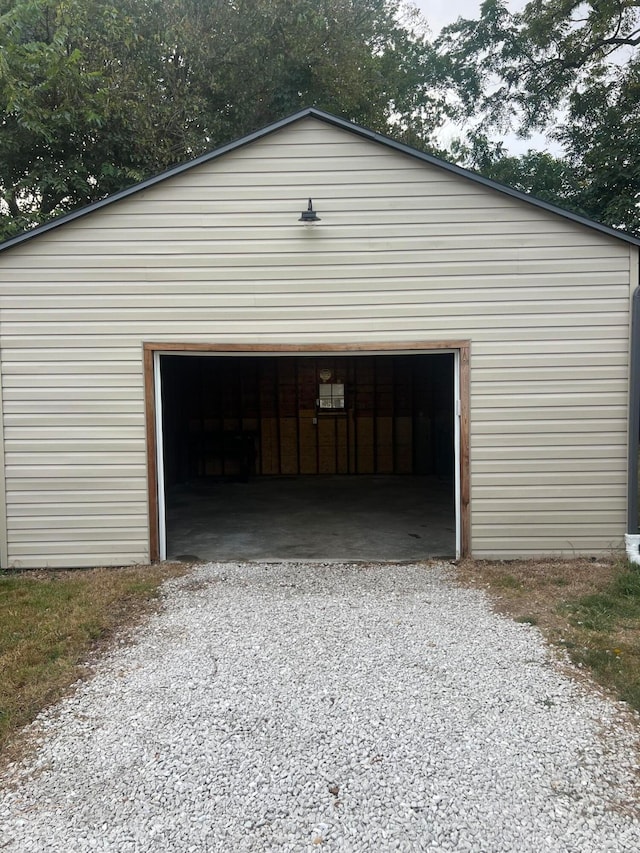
point(153, 351)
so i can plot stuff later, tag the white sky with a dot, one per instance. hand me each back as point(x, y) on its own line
point(438, 13)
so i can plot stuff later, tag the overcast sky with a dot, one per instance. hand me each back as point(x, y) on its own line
point(438, 13)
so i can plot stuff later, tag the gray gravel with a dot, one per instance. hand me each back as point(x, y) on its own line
point(327, 707)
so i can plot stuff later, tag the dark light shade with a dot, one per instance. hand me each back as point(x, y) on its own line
point(309, 215)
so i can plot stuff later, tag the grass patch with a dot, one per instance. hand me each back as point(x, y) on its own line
point(507, 581)
point(51, 622)
point(590, 608)
point(527, 620)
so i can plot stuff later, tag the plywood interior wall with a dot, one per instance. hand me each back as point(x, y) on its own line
point(247, 416)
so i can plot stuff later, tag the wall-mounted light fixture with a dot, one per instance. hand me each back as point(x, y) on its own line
point(309, 216)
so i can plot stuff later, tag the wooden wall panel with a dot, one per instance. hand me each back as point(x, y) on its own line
point(397, 419)
point(342, 445)
point(365, 449)
point(289, 463)
point(269, 450)
point(384, 444)
point(326, 446)
point(308, 433)
point(403, 433)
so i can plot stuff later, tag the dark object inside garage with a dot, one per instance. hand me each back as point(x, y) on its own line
point(309, 457)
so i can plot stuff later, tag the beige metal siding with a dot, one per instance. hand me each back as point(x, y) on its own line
point(404, 252)
point(4, 556)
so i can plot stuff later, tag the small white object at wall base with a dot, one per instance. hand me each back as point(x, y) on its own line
point(632, 541)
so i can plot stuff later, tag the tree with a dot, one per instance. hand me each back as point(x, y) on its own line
point(548, 178)
point(569, 68)
point(95, 96)
point(88, 103)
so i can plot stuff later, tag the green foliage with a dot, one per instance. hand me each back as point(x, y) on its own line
point(537, 172)
point(69, 132)
point(568, 68)
point(96, 95)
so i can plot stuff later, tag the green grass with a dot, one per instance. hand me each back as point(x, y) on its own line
point(605, 635)
point(508, 582)
point(49, 624)
point(526, 620)
point(619, 601)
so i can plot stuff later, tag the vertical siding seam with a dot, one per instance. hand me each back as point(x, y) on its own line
point(152, 503)
point(4, 547)
point(465, 508)
point(633, 423)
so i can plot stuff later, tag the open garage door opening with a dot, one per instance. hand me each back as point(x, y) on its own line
point(308, 456)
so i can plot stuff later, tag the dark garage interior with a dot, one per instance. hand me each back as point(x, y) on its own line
point(304, 457)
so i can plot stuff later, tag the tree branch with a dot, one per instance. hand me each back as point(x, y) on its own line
point(12, 204)
point(631, 40)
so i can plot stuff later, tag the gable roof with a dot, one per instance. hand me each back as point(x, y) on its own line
point(320, 115)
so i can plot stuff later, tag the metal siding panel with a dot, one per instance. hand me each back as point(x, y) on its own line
point(74, 484)
point(524, 504)
point(4, 553)
point(556, 464)
point(404, 251)
point(100, 506)
point(487, 549)
point(187, 306)
point(584, 448)
point(445, 298)
point(545, 488)
point(452, 289)
point(81, 560)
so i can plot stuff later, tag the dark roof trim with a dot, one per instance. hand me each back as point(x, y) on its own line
point(313, 112)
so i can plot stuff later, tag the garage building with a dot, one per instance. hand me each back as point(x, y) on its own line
point(318, 313)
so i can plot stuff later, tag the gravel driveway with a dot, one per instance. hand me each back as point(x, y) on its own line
point(326, 707)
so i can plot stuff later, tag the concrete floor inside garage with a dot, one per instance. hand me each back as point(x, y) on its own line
point(365, 517)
